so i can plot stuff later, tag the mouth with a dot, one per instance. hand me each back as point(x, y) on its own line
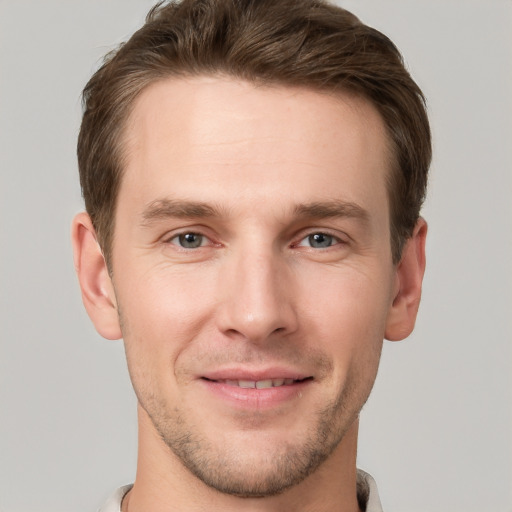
point(272, 391)
point(259, 384)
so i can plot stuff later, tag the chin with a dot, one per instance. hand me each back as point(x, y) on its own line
point(246, 475)
point(255, 463)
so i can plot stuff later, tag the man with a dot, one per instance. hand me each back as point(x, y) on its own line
point(253, 173)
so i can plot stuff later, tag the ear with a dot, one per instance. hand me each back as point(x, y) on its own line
point(97, 290)
point(409, 278)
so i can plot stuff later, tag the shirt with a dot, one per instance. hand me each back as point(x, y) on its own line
point(367, 495)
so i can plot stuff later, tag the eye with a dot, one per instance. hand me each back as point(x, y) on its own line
point(189, 240)
point(319, 241)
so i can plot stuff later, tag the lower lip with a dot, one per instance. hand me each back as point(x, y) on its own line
point(253, 398)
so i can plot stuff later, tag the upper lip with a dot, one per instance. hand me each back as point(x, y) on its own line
point(254, 374)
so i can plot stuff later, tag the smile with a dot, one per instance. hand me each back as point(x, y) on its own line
point(258, 384)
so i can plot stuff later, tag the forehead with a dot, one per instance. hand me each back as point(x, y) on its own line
point(231, 141)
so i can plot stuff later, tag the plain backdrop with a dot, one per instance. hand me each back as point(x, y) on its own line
point(437, 431)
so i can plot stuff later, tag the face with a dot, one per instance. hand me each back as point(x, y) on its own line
point(252, 272)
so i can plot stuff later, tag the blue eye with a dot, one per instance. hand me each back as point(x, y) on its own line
point(189, 240)
point(318, 241)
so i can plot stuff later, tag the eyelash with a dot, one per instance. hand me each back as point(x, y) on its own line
point(322, 235)
point(179, 238)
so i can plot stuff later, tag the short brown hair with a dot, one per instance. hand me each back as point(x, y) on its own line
point(305, 43)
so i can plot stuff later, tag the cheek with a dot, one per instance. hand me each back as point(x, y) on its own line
point(346, 314)
point(349, 300)
point(164, 303)
point(161, 314)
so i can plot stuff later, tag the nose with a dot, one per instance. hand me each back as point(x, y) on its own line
point(258, 300)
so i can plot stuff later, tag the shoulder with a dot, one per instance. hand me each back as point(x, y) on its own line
point(113, 504)
point(367, 492)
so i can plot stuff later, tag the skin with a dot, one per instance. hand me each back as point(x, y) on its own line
point(280, 194)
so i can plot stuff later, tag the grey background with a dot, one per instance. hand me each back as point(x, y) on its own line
point(437, 431)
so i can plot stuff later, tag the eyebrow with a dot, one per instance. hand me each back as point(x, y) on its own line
point(162, 209)
point(332, 209)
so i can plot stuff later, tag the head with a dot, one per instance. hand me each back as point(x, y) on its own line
point(304, 43)
point(253, 172)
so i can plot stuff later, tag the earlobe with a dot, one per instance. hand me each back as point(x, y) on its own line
point(409, 278)
point(97, 290)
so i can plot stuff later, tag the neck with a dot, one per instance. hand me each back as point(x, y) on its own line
point(163, 484)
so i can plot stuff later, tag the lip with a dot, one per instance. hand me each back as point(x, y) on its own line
point(219, 384)
point(254, 374)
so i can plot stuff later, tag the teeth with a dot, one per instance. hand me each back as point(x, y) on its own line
point(264, 384)
point(247, 383)
point(259, 384)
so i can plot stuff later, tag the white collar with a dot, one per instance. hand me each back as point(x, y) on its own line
point(367, 494)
